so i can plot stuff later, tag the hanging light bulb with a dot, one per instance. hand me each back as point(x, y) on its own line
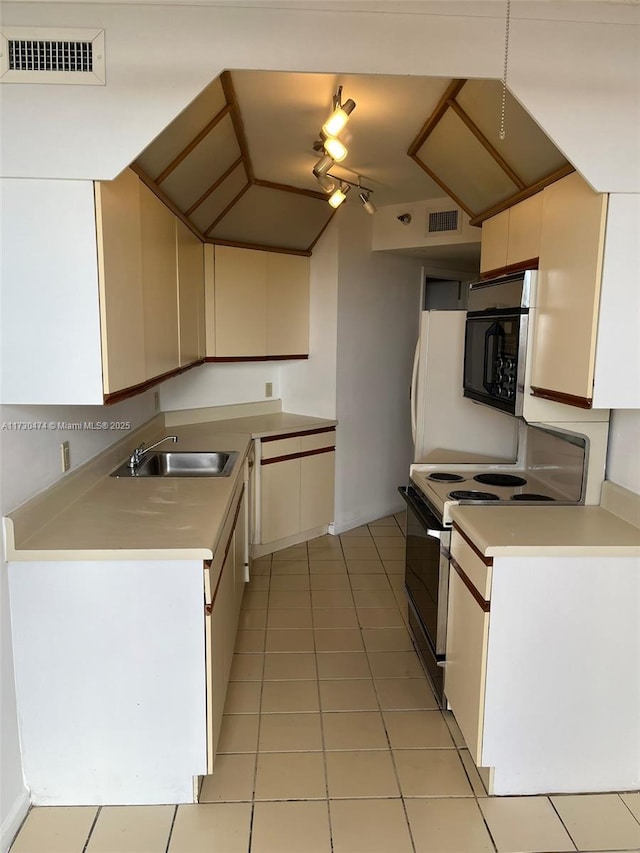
point(339, 117)
point(369, 206)
point(335, 149)
point(339, 195)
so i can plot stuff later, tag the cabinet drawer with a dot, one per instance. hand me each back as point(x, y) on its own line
point(477, 568)
point(316, 440)
point(280, 447)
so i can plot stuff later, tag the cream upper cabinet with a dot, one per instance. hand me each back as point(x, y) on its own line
point(571, 256)
point(240, 302)
point(260, 304)
point(159, 284)
point(190, 294)
point(120, 281)
point(512, 238)
point(287, 304)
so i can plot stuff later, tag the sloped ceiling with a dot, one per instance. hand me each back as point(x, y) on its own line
point(236, 164)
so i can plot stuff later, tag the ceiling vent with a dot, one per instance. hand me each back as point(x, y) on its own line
point(45, 55)
point(443, 220)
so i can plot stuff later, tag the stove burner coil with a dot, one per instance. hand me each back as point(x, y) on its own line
point(445, 477)
point(496, 479)
point(471, 495)
point(530, 497)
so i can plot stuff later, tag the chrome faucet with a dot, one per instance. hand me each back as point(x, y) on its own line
point(140, 452)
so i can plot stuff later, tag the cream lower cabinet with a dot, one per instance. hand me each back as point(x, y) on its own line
point(537, 644)
point(296, 485)
point(257, 304)
point(224, 587)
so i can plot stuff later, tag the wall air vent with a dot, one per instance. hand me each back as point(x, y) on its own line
point(443, 220)
point(44, 55)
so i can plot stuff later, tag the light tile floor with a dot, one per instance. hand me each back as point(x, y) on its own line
point(332, 741)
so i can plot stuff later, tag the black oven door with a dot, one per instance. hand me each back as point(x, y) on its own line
point(427, 582)
point(491, 354)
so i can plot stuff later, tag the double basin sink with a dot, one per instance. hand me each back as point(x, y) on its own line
point(171, 463)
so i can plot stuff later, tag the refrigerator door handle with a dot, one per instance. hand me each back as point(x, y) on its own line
point(413, 395)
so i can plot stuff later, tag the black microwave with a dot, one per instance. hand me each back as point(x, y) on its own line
point(495, 343)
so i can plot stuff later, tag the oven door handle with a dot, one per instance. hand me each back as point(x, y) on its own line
point(429, 522)
point(493, 333)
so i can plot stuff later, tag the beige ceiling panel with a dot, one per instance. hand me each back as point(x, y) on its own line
point(203, 166)
point(177, 135)
point(460, 160)
point(271, 217)
point(213, 205)
point(526, 147)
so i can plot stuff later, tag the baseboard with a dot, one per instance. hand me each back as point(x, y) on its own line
point(13, 820)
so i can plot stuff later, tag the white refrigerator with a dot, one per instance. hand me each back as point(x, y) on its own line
point(441, 418)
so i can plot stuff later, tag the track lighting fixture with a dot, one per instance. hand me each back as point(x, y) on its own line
point(339, 195)
point(336, 122)
point(323, 165)
point(328, 184)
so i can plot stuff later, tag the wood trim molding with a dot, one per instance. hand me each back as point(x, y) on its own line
point(482, 139)
point(287, 188)
point(193, 144)
point(214, 186)
point(488, 561)
point(291, 456)
point(321, 232)
point(441, 107)
point(134, 390)
point(479, 218)
point(232, 358)
point(236, 118)
point(529, 264)
point(231, 204)
point(442, 184)
point(235, 244)
point(146, 180)
point(484, 605)
point(279, 437)
point(561, 397)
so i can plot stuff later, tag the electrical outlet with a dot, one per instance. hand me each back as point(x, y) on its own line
point(268, 389)
point(156, 401)
point(65, 454)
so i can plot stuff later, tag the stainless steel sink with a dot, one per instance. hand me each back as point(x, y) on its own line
point(182, 463)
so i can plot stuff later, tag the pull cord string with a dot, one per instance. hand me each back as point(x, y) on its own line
point(504, 74)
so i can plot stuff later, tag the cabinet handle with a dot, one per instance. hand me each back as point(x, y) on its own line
point(208, 608)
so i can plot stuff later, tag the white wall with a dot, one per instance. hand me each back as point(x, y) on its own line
point(378, 312)
point(220, 384)
point(623, 456)
point(309, 387)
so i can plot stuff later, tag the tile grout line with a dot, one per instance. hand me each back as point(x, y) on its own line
point(173, 821)
point(95, 820)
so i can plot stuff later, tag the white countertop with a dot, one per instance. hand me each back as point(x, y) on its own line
point(547, 531)
point(107, 518)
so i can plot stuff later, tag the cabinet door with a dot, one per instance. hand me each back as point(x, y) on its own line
point(493, 246)
point(190, 294)
point(120, 276)
point(280, 500)
point(240, 563)
point(240, 302)
point(209, 301)
point(317, 478)
point(524, 230)
point(219, 654)
point(465, 672)
point(287, 304)
point(571, 250)
point(159, 281)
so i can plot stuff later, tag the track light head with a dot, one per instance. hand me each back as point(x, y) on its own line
point(323, 165)
point(339, 117)
point(368, 205)
point(339, 195)
point(327, 183)
point(335, 149)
